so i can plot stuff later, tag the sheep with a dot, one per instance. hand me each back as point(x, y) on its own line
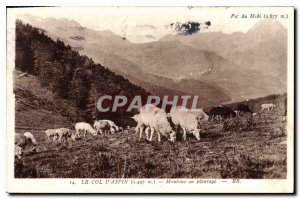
point(59, 134)
point(22, 141)
point(113, 125)
point(200, 115)
point(85, 127)
point(156, 119)
point(51, 133)
point(64, 133)
point(30, 137)
point(184, 118)
point(268, 107)
point(101, 126)
point(112, 130)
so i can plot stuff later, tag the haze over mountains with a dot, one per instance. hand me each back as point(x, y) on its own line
point(263, 48)
point(216, 66)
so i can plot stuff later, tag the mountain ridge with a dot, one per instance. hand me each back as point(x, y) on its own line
point(190, 58)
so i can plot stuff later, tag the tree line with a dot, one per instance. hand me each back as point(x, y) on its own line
point(71, 76)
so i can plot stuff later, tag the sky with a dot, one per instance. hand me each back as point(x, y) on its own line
point(144, 24)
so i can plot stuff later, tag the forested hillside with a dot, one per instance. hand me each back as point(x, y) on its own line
point(68, 74)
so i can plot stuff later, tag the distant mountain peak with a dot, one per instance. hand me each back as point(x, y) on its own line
point(270, 26)
point(51, 21)
point(63, 22)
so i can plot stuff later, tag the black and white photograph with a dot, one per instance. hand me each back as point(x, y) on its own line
point(158, 97)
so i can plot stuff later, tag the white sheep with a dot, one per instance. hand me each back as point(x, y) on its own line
point(51, 133)
point(59, 134)
point(30, 137)
point(156, 119)
point(112, 125)
point(101, 126)
point(64, 133)
point(22, 141)
point(140, 127)
point(85, 127)
point(268, 107)
point(187, 120)
point(199, 113)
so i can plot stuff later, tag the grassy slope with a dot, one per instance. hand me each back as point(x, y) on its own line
point(39, 107)
point(256, 153)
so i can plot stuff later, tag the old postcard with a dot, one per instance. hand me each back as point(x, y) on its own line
point(150, 100)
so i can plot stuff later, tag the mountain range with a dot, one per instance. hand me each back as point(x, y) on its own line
point(217, 67)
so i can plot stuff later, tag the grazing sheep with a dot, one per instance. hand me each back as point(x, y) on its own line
point(184, 118)
point(59, 134)
point(101, 126)
point(85, 127)
point(22, 141)
point(156, 119)
point(268, 107)
point(112, 130)
point(200, 115)
point(51, 133)
point(30, 137)
point(64, 133)
point(113, 126)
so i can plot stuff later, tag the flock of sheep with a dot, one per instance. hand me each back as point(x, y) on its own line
point(157, 120)
point(150, 118)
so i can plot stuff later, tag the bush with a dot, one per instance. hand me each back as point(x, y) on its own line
point(242, 123)
point(242, 166)
point(24, 171)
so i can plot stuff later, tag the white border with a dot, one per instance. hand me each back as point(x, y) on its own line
point(271, 185)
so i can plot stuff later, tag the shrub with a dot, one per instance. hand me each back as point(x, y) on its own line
point(24, 171)
point(242, 123)
point(242, 166)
